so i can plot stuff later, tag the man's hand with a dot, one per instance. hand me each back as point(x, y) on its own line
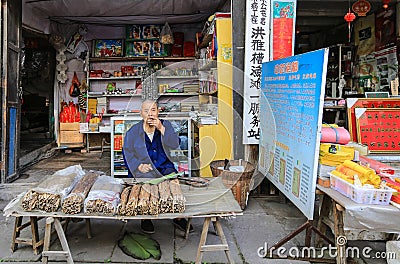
point(144, 168)
point(157, 124)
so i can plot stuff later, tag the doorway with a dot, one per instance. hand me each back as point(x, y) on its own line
point(37, 81)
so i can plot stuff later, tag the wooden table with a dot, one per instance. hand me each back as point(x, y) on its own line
point(210, 203)
point(348, 214)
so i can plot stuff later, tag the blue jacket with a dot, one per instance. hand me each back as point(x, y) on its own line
point(138, 148)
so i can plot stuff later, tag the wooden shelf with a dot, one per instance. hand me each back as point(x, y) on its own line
point(114, 78)
point(139, 58)
point(178, 94)
point(114, 95)
point(178, 77)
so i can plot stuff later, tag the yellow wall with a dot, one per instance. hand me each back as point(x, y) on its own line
point(216, 140)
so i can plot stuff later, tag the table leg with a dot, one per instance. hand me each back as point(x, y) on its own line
point(220, 247)
point(47, 235)
point(66, 253)
point(35, 234)
point(63, 240)
point(325, 207)
point(221, 235)
point(88, 228)
point(203, 239)
point(16, 233)
point(189, 222)
point(340, 238)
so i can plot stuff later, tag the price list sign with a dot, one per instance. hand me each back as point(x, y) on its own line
point(292, 94)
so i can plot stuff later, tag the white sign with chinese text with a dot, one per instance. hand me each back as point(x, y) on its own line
point(256, 52)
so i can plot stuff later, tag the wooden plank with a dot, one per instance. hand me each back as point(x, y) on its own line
point(63, 254)
point(214, 248)
point(23, 240)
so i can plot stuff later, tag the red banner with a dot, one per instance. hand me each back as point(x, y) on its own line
point(283, 37)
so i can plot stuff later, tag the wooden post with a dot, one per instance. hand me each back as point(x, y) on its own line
point(340, 239)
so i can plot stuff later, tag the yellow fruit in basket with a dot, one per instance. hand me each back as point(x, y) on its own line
point(397, 180)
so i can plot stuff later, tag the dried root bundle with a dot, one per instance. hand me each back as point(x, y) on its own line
point(74, 202)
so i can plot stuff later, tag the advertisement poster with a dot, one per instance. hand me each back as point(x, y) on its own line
point(385, 28)
point(283, 23)
point(256, 52)
point(291, 105)
point(364, 29)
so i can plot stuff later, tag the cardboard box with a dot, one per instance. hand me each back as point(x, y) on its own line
point(70, 126)
point(71, 137)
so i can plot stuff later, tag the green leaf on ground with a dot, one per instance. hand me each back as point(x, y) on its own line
point(139, 246)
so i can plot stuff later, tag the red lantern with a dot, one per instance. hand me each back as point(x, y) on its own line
point(361, 7)
point(349, 17)
point(385, 3)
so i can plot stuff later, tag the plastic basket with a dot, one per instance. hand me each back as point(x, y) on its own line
point(361, 195)
point(238, 182)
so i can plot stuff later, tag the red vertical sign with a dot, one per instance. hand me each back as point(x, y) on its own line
point(283, 14)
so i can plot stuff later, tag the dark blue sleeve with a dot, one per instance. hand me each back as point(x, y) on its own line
point(170, 139)
point(131, 157)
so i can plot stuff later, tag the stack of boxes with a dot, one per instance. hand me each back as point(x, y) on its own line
point(70, 135)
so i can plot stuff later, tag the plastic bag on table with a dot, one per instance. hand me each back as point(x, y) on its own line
point(61, 182)
point(47, 195)
point(104, 196)
point(166, 36)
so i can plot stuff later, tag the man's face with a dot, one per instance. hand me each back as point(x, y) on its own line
point(149, 111)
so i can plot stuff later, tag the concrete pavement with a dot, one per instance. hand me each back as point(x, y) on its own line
point(265, 222)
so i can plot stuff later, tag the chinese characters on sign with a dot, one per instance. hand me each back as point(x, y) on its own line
point(256, 52)
point(379, 129)
point(283, 22)
point(292, 97)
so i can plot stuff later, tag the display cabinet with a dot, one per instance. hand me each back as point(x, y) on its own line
point(339, 73)
point(182, 158)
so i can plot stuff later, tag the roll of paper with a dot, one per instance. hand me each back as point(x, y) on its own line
point(335, 135)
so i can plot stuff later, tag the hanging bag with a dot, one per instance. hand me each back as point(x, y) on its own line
point(166, 36)
point(74, 88)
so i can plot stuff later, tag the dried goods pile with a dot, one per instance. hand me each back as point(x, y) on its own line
point(47, 195)
point(104, 196)
point(73, 203)
point(147, 199)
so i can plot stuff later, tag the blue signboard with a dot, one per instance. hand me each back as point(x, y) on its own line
point(291, 104)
